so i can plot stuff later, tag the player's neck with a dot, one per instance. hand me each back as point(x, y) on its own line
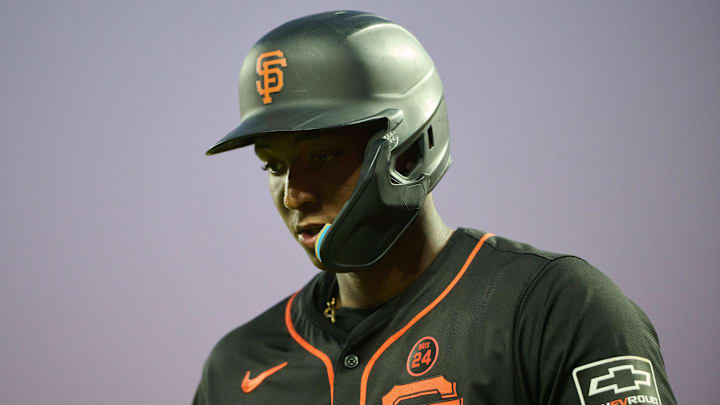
point(410, 257)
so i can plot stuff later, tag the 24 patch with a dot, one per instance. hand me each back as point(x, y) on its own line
point(622, 380)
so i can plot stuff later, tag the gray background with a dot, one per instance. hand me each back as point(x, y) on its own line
point(582, 127)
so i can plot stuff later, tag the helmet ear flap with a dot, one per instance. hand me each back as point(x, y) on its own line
point(437, 141)
point(425, 153)
point(407, 161)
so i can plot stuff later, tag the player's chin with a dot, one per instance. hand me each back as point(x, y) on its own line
point(321, 266)
point(315, 261)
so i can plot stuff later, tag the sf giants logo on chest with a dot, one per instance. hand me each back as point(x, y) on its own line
point(438, 390)
point(268, 67)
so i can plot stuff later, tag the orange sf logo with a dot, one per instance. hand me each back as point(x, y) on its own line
point(268, 67)
point(432, 386)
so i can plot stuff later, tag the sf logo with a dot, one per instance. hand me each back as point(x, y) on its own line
point(435, 391)
point(268, 67)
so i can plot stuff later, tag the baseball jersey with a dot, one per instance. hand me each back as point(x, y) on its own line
point(490, 321)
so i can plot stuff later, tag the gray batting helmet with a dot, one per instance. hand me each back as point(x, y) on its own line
point(343, 68)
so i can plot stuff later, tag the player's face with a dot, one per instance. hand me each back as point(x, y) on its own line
point(311, 176)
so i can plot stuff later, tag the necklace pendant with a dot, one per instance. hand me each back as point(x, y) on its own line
point(329, 311)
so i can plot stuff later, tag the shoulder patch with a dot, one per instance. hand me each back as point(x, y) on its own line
point(622, 380)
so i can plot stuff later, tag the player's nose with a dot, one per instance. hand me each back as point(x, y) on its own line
point(300, 193)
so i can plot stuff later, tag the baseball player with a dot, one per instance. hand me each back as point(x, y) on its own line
point(346, 111)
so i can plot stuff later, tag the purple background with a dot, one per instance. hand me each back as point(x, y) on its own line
point(125, 253)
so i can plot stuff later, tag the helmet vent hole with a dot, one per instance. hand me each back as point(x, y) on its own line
point(431, 140)
point(409, 158)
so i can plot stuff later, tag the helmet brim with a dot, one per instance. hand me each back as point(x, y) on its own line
point(298, 118)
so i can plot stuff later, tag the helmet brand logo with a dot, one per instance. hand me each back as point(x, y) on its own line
point(268, 67)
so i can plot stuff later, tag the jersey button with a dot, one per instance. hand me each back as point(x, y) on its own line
point(351, 361)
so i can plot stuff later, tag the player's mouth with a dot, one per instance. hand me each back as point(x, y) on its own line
point(307, 234)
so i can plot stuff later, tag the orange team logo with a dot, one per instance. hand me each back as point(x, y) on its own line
point(249, 384)
point(268, 67)
point(438, 387)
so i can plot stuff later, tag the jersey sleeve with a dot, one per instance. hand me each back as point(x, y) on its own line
point(579, 339)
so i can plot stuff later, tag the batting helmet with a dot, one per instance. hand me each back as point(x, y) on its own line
point(343, 68)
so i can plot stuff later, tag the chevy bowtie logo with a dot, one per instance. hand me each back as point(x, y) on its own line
point(620, 380)
point(268, 67)
point(633, 378)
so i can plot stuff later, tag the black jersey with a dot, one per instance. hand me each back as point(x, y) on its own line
point(491, 321)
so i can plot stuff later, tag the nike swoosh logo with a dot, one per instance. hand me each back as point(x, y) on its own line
point(249, 384)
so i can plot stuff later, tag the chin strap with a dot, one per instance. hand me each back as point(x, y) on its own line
point(319, 240)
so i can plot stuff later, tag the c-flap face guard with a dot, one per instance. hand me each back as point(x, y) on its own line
point(377, 212)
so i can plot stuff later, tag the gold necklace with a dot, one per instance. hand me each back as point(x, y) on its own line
point(329, 311)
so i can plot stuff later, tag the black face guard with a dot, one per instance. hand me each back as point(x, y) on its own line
point(378, 211)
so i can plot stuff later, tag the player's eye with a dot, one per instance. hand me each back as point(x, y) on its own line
point(323, 157)
point(273, 167)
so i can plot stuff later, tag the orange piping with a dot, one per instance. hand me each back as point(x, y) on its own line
point(310, 348)
point(398, 334)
